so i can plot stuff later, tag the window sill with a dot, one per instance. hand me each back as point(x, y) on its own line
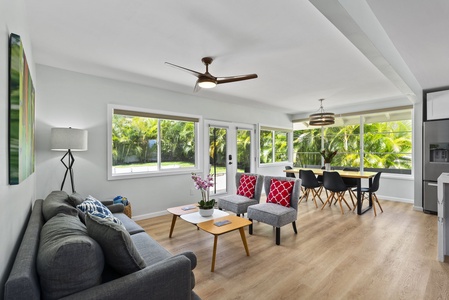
point(276, 164)
point(160, 173)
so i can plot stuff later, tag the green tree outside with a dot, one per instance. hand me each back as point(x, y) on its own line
point(387, 145)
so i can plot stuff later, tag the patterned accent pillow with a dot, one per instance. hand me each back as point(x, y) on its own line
point(103, 216)
point(280, 192)
point(93, 205)
point(247, 186)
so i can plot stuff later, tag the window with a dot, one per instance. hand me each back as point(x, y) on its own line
point(273, 145)
point(388, 145)
point(145, 142)
point(382, 139)
point(307, 147)
point(345, 139)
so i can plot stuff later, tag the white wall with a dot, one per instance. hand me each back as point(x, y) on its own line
point(80, 101)
point(16, 200)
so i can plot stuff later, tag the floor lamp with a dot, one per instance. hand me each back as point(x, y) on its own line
point(68, 139)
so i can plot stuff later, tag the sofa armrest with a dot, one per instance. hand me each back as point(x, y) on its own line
point(168, 279)
point(107, 202)
point(191, 256)
point(116, 208)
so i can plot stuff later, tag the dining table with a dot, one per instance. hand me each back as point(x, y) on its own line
point(359, 175)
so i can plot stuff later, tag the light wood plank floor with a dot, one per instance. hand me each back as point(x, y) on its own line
point(334, 256)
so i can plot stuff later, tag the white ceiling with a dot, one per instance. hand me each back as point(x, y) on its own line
point(299, 55)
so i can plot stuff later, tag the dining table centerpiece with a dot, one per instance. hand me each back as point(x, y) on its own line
point(205, 205)
point(328, 155)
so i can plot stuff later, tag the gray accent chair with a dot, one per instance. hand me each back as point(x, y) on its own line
point(274, 214)
point(239, 204)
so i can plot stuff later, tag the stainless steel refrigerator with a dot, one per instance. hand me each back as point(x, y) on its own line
point(435, 160)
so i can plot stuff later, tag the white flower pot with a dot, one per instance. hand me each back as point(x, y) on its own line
point(206, 212)
point(327, 166)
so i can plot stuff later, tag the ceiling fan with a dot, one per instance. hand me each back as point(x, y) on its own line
point(207, 80)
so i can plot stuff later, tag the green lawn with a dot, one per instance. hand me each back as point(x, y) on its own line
point(181, 164)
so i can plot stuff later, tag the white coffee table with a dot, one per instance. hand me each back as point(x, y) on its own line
point(196, 218)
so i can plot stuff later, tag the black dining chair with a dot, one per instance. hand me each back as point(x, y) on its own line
point(291, 175)
point(351, 183)
point(320, 180)
point(373, 190)
point(310, 183)
point(333, 182)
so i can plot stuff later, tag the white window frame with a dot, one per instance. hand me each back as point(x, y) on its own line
point(361, 120)
point(289, 132)
point(160, 172)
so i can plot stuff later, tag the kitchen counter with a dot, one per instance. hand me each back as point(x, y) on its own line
point(443, 216)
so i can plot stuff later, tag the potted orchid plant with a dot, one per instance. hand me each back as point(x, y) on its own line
point(206, 206)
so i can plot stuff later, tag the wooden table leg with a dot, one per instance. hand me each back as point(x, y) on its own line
point(212, 268)
point(173, 222)
point(242, 234)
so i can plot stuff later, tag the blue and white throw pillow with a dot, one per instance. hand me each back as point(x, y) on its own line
point(103, 216)
point(93, 205)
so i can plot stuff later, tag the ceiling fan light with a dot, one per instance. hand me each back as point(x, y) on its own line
point(206, 83)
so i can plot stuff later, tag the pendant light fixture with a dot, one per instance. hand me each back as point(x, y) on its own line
point(321, 118)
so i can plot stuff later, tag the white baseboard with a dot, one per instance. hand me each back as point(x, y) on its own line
point(395, 199)
point(418, 208)
point(151, 215)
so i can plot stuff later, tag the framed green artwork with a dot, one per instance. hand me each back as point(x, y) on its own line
point(21, 114)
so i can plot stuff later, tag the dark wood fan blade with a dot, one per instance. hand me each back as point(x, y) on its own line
point(195, 73)
point(197, 88)
point(235, 78)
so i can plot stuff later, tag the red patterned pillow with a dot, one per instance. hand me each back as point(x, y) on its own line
point(280, 192)
point(247, 186)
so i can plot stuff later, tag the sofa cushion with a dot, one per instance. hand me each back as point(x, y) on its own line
point(149, 249)
point(68, 260)
point(130, 226)
point(76, 199)
point(119, 251)
point(57, 202)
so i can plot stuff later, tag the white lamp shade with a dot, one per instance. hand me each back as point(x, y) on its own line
point(63, 139)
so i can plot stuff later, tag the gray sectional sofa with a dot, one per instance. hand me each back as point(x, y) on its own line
point(60, 257)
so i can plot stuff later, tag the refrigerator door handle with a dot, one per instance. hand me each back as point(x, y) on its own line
point(432, 184)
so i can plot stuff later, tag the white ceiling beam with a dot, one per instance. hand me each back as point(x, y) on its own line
point(358, 23)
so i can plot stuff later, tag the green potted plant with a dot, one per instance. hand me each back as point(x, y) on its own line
point(328, 155)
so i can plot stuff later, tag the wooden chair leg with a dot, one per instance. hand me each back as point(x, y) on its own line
point(307, 194)
point(339, 202)
point(374, 208)
point(314, 194)
point(343, 198)
point(351, 194)
point(320, 189)
point(304, 195)
point(317, 194)
point(327, 200)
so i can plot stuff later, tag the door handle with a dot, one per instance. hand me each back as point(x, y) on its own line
point(432, 184)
